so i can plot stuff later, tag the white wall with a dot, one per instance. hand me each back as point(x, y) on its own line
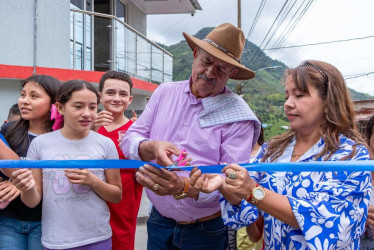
point(53, 37)
point(9, 93)
point(135, 17)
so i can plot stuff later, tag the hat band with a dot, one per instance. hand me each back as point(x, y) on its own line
point(221, 49)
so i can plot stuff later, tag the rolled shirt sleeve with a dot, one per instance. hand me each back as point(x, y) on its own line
point(140, 130)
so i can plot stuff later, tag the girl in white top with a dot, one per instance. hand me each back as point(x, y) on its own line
point(75, 214)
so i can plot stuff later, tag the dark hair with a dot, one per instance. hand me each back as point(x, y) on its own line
point(17, 137)
point(68, 88)
point(261, 138)
point(338, 117)
point(14, 110)
point(115, 75)
point(369, 130)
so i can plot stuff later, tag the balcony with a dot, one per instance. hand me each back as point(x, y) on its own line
point(102, 42)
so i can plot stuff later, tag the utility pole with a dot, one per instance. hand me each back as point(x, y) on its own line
point(239, 14)
point(239, 86)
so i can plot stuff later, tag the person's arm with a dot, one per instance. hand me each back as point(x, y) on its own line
point(256, 230)
point(7, 153)
point(240, 188)
point(139, 132)
point(111, 191)
point(29, 182)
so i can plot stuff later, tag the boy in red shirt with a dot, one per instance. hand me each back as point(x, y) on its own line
point(115, 95)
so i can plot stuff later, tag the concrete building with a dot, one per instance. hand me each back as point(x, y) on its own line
point(364, 109)
point(80, 39)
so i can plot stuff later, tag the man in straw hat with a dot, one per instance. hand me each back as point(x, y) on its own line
point(211, 123)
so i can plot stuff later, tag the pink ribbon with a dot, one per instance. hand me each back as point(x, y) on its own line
point(55, 115)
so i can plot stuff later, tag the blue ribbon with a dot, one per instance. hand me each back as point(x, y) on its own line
point(316, 166)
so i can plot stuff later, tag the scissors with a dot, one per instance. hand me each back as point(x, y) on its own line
point(181, 161)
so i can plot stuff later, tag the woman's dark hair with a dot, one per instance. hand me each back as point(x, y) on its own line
point(17, 136)
point(261, 138)
point(68, 88)
point(369, 130)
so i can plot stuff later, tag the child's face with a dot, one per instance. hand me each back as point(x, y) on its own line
point(79, 112)
point(34, 103)
point(116, 96)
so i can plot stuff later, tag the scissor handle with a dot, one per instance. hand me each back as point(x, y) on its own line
point(181, 156)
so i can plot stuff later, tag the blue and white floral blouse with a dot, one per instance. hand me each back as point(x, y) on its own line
point(330, 207)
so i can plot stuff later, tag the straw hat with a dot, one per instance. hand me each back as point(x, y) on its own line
point(225, 42)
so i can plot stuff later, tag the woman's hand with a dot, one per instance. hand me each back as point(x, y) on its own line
point(8, 191)
point(238, 182)
point(206, 183)
point(81, 176)
point(104, 118)
point(23, 179)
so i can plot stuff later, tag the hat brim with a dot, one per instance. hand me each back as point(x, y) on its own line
point(243, 72)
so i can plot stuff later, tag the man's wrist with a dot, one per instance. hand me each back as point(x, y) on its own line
point(180, 185)
point(184, 193)
point(146, 150)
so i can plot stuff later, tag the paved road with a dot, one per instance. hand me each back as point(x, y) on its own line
point(141, 237)
point(141, 228)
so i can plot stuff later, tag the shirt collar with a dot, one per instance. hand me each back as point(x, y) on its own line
point(313, 151)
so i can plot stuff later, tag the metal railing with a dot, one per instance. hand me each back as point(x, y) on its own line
point(124, 50)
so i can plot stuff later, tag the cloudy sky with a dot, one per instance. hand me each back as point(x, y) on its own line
point(325, 20)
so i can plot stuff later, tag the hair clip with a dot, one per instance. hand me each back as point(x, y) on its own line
point(308, 64)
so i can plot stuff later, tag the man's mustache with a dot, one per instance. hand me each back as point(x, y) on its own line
point(207, 79)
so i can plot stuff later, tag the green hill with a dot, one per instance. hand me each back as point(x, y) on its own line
point(264, 93)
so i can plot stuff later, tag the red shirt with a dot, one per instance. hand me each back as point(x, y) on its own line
point(123, 214)
point(113, 135)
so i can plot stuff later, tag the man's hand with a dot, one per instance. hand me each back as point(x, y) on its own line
point(160, 181)
point(206, 183)
point(161, 151)
point(8, 191)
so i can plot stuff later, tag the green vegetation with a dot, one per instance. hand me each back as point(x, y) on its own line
point(264, 94)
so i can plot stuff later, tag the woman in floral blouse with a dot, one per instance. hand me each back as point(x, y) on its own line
point(302, 210)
